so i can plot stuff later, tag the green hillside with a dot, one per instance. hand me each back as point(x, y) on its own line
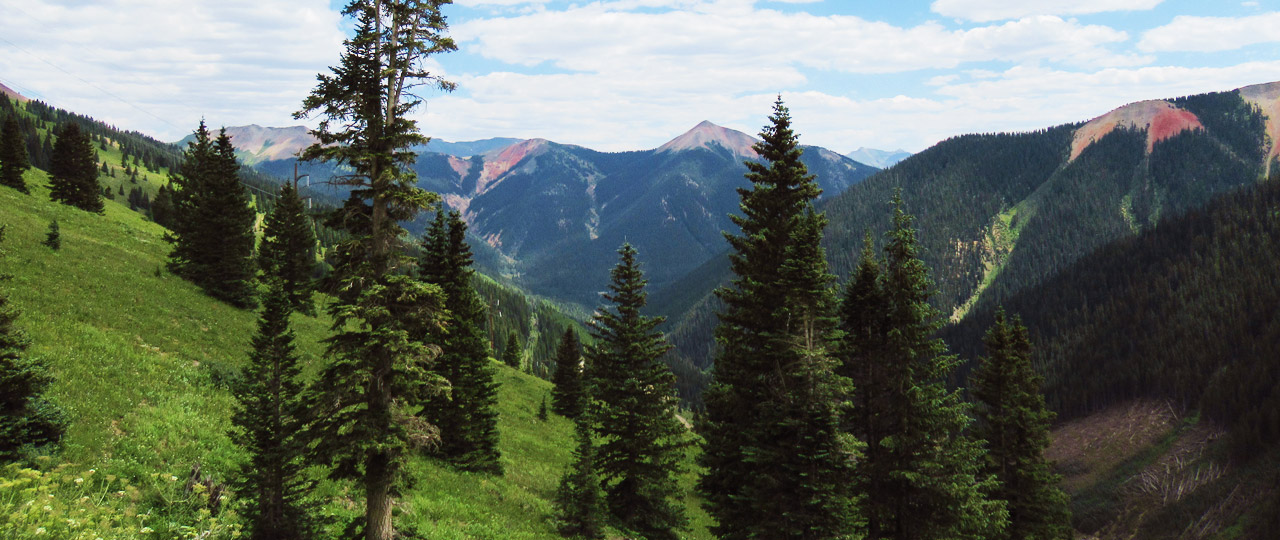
point(142, 362)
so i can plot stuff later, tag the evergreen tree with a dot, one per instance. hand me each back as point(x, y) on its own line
point(268, 417)
point(920, 476)
point(162, 207)
point(579, 503)
point(641, 440)
point(53, 238)
point(27, 420)
point(467, 420)
point(367, 397)
point(13, 154)
point(567, 394)
point(512, 353)
point(1012, 419)
point(288, 248)
point(213, 229)
point(74, 171)
point(777, 464)
point(542, 409)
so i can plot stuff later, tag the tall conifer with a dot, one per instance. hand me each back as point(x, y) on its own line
point(288, 248)
point(268, 418)
point(27, 420)
point(920, 476)
point(512, 352)
point(641, 440)
point(1013, 420)
point(368, 396)
point(73, 174)
point(467, 420)
point(777, 464)
point(13, 154)
point(579, 504)
point(567, 394)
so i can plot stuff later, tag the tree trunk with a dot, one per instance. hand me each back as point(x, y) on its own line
point(378, 498)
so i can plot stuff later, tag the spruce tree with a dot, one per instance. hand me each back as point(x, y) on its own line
point(288, 248)
point(368, 396)
point(268, 418)
point(73, 174)
point(27, 420)
point(13, 154)
point(920, 476)
point(776, 461)
point(213, 224)
point(467, 420)
point(641, 440)
point(512, 352)
point(1012, 419)
point(53, 238)
point(567, 394)
point(579, 504)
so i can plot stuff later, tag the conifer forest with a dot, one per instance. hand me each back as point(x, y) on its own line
point(1069, 332)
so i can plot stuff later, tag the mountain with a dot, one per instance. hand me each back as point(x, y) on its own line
point(998, 213)
point(468, 148)
point(535, 204)
point(13, 94)
point(882, 159)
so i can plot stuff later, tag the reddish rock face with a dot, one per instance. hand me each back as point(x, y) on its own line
point(1161, 119)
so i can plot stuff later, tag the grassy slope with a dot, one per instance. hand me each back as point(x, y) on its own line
point(140, 359)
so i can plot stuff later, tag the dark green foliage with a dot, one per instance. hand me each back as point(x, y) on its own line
point(288, 248)
point(213, 236)
point(368, 396)
point(1183, 312)
point(27, 420)
point(73, 171)
point(542, 409)
point(512, 310)
point(467, 420)
point(162, 211)
point(579, 503)
point(268, 418)
point(53, 238)
point(777, 465)
point(920, 475)
point(13, 154)
point(512, 352)
point(1011, 417)
point(641, 441)
point(567, 396)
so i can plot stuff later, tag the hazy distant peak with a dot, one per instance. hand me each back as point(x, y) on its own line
point(881, 159)
point(706, 133)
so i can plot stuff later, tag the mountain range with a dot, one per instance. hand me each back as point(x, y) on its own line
point(535, 204)
point(882, 159)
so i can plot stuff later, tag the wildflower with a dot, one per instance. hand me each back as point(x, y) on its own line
point(40, 530)
point(146, 530)
point(173, 478)
point(48, 508)
point(79, 481)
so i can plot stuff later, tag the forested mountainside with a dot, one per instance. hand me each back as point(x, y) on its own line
point(1184, 312)
point(537, 203)
point(1002, 212)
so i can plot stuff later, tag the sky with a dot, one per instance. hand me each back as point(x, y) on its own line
point(618, 75)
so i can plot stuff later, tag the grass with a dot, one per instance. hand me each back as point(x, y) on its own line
point(141, 361)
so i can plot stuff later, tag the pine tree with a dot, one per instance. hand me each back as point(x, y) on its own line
point(512, 353)
point(53, 238)
point(74, 171)
point(467, 420)
point(288, 248)
point(1012, 419)
point(641, 440)
point(920, 475)
point(13, 154)
point(27, 420)
point(567, 394)
point(268, 418)
point(579, 504)
point(368, 395)
point(213, 224)
point(777, 463)
point(542, 409)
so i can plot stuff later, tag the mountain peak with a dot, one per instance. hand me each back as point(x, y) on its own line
point(13, 94)
point(706, 133)
point(1160, 118)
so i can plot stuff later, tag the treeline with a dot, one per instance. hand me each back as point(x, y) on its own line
point(537, 323)
point(1184, 312)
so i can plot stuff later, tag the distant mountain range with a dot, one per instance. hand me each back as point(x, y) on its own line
point(878, 158)
point(551, 216)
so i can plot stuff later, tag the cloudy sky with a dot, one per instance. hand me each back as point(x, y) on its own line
point(632, 74)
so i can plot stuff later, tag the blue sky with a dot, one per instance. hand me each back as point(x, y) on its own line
point(632, 74)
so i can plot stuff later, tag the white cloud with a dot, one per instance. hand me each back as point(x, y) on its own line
point(996, 10)
point(1210, 34)
point(231, 61)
